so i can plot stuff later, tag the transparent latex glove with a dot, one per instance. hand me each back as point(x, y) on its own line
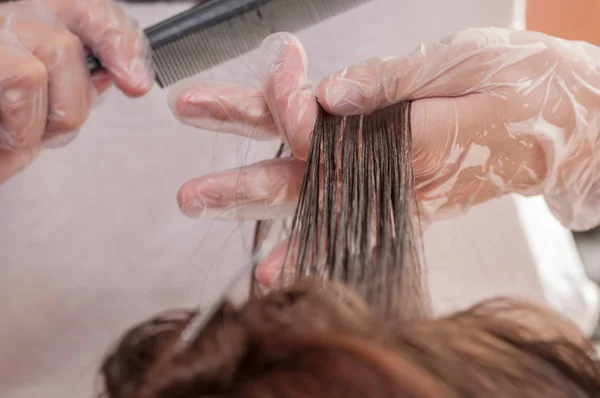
point(46, 91)
point(495, 111)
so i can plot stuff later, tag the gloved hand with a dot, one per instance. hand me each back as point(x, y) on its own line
point(495, 111)
point(45, 88)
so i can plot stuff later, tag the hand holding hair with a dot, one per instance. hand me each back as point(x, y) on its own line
point(46, 91)
point(495, 111)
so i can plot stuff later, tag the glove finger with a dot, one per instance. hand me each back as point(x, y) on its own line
point(223, 107)
point(70, 89)
point(288, 90)
point(264, 190)
point(269, 270)
point(23, 96)
point(111, 35)
point(465, 63)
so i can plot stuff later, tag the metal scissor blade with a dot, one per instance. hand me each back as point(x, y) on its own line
point(231, 293)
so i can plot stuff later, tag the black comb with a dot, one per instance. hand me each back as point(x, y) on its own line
point(218, 30)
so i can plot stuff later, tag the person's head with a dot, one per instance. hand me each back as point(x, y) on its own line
point(314, 340)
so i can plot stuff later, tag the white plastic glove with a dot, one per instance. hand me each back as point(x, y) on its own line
point(495, 111)
point(46, 91)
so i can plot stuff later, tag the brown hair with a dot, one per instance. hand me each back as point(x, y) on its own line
point(311, 340)
point(357, 217)
point(352, 319)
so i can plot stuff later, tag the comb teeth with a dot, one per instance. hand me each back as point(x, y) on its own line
point(211, 46)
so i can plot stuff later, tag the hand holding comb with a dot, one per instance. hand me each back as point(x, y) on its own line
point(219, 30)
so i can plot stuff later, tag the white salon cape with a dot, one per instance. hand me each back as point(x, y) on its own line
point(92, 241)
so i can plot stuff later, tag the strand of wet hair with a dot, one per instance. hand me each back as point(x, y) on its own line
point(356, 214)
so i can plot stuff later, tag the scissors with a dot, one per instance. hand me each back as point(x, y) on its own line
point(232, 294)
